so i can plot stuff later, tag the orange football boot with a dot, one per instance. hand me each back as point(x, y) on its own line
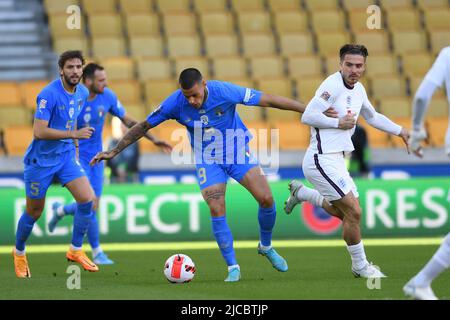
point(21, 265)
point(80, 257)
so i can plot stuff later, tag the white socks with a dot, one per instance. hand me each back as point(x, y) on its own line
point(264, 248)
point(438, 263)
point(74, 248)
point(96, 251)
point(358, 256)
point(233, 266)
point(311, 195)
point(19, 253)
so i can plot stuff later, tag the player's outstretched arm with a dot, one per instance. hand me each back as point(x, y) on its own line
point(133, 135)
point(41, 131)
point(130, 122)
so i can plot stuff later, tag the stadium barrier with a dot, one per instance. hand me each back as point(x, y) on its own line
point(136, 213)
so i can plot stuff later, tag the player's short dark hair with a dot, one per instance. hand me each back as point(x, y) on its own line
point(353, 49)
point(67, 55)
point(189, 77)
point(89, 70)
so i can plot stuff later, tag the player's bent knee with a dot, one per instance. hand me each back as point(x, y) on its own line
point(355, 214)
point(216, 208)
point(266, 201)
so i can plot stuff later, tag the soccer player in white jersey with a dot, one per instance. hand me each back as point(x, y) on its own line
point(323, 164)
point(419, 287)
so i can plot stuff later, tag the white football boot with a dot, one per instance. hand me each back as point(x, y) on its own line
point(418, 293)
point(368, 271)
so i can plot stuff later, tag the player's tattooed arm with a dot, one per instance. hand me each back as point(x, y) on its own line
point(283, 103)
point(132, 135)
point(165, 147)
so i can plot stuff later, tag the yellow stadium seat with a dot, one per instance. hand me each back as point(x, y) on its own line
point(99, 6)
point(221, 45)
point(267, 66)
point(332, 64)
point(18, 138)
point(404, 122)
point(216, 22)
point(304, 66)
point(58, 6)
point(142, 24)
point(247, 5)
point(277, 86)
point(136, 111)
point(357, 4)
point(183, 45)
point(409, 41)
point(306, 88)
point(439, 40)
point(290, 21)
point(314, 5)
point(105, 25)
point(146, 46)
point(381, 64)
point(395, 4)
point(258, 44)
point(273, 115)
point(388, 86)
point(106, 47)
point(256, 21)
point(437, 130)
point(296, 43)
point(437, 19)
point(173, 5)
point(377, 138)
point(10, 94)
point(136, 6)
point(208, 5)
point(192, 62)
point(30, 91)
point(431, 4)
point(58, 26)
point(127, 91)
point(326, 21)
point(331, 42)
point(438, 107)
point(358, 20)
point(261, 131)
point(179, 23)
point(375, 41)
point(158, 90)
point(396, 107)
point(121, 68)
point(417, 63)
point(230, 67)
point(403, 19)
point(175, 134)
point(15, 115)
point(243, 82)
point(249, 113)
point(154, 69)
point(293, 135)
point(72, 43)
point(284, 5)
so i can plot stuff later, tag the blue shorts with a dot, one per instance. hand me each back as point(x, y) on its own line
point(94, 173)
point(38, 179)
point(215, 173)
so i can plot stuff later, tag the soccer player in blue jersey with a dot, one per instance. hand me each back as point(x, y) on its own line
point(100, 102)
point(52, 154)
point(209, 108)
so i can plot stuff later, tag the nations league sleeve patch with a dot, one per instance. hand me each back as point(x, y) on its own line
point(325, 96)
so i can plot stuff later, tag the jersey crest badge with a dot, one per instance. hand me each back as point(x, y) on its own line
point(204, 119)
point(71, 112)
point(325, 96)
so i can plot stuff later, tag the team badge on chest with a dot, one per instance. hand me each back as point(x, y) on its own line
point(204, 119)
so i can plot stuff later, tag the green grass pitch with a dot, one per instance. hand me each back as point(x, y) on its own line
point(321, 272)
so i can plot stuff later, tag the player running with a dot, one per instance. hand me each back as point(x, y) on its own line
point(208, 110)
point(51, 155)
point(101, 101)
point(323, 164)
point(419, 287)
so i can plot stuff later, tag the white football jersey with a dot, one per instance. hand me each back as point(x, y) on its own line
point(333, 92)
point(439, 73)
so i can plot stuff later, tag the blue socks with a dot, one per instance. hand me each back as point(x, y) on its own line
point(93, 232)
point(224, 239)
point(266, 219)
point(24, 228)
point(70, 209)
point(81, 223)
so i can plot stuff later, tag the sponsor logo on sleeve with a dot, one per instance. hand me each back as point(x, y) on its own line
point(325, 96)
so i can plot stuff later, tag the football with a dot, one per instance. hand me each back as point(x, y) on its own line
point(179, 268)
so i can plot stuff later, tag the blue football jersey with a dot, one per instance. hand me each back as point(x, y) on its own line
point(216, 116)
point(93, 115)
point(61, 109)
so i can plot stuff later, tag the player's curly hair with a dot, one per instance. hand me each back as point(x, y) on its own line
point(353, 49)
point(71, 54)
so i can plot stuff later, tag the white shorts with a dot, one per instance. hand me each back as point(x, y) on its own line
point(329, 175)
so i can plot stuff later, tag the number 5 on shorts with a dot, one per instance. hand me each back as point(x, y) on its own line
point(34, 188)
point(202, 175)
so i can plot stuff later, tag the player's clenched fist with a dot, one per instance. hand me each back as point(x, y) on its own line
point(83, 133)
point(347, 122)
